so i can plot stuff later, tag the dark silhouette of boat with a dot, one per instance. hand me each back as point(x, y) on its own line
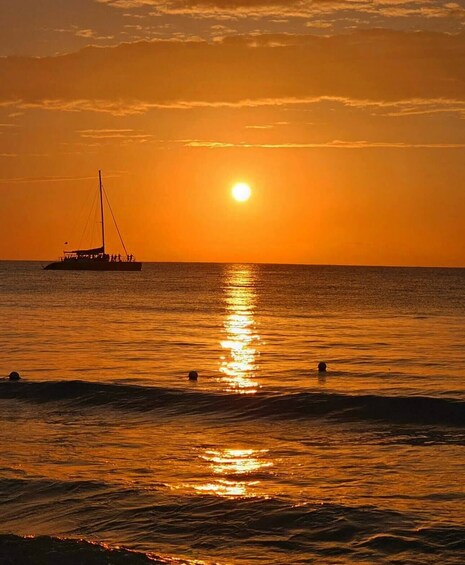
point(97, 259)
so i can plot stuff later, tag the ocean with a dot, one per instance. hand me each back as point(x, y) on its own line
point(109, 454)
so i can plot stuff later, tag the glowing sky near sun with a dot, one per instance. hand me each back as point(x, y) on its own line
point(346, 118)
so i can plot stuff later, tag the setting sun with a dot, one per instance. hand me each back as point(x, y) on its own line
point(241, 191)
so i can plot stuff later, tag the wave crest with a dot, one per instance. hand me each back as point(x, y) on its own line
point(421, 410)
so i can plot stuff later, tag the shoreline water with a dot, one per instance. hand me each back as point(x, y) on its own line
point(262, 460)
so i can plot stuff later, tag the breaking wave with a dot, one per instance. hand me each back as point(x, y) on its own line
point(186, 523)
point(416, 410)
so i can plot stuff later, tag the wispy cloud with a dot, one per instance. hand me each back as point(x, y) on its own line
point(294, 8)
point(414, 106)
point(48, 179)
point(323, 15)
point(116, 134)
point(91, 34)
point(335, 144)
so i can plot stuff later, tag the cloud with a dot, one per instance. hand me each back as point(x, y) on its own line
point(335, 144)
point(413, 107)
point(115, 134)
point(27, 180)
point(90, 34)
point(295, 8)
point(380, 66)
point(64, 27)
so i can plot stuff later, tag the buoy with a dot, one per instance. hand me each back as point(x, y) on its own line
point(321, 367)
point(193, 375)
point(14, 376)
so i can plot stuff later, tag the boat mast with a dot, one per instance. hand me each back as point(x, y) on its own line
point(101, 209)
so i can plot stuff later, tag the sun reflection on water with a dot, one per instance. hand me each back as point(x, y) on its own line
point(239, 364)
point(235, 471)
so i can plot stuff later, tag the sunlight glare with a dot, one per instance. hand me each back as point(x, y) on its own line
point(241, 192)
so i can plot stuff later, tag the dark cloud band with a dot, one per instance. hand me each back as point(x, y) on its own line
point(378, 65)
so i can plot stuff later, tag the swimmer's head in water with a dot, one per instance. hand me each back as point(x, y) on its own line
point(14, 376)
point(322, 367)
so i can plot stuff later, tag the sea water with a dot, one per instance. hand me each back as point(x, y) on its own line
point(108, 454)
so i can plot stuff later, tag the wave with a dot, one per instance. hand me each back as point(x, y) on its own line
point(160, 523)
point(46, 549)
point(417, 410)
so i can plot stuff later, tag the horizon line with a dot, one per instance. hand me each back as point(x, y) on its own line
point(348, 265)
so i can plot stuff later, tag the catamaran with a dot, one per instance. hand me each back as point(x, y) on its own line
point(97, 259)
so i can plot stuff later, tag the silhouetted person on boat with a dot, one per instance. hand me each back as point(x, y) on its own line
point(322, 367)
point(14, 376)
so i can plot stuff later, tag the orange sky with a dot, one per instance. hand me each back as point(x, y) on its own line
point(346, 118)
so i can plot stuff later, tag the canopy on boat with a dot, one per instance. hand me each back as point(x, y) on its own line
point(95, 251)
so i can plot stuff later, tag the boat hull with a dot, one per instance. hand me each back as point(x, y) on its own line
point(82, 265)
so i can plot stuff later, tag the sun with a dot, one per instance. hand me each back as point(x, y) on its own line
point(241, 192)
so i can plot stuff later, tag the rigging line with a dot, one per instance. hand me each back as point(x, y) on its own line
point(114, 219)
point(77, 220)
point(91, 211)
point(94, 227)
